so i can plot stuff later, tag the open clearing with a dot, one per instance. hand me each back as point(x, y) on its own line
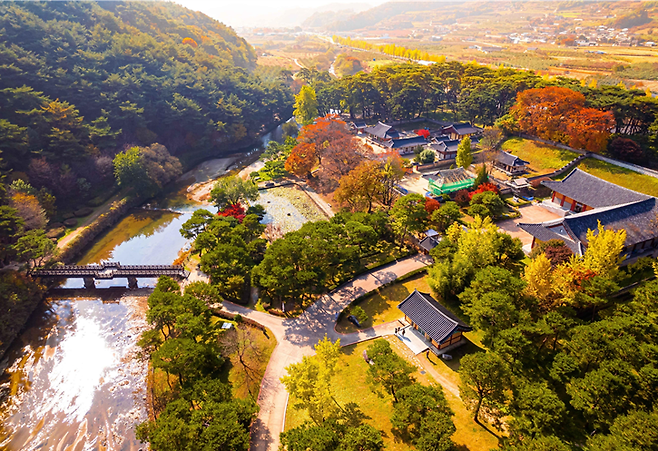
point(543, 159)
point(350, 385)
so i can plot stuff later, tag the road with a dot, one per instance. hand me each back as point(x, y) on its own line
point(297, 336)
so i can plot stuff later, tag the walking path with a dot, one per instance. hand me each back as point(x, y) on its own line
point(297, 336)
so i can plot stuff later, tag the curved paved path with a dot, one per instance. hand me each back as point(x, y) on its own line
point(297, 336)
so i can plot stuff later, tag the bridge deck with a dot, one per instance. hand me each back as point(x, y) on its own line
point(111, 270)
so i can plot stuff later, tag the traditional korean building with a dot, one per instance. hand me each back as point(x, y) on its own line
point(405, 145)
point(461, 130)
point(510, 164)
point(639, 219)
point(358, 126)
point(580, 191)
point(431, 240)
point(440, 327)
point(589, 200)
point(449, 181)
point(381, 132)
point(446, 149)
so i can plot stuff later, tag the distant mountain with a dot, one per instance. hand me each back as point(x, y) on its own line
point(373, 16)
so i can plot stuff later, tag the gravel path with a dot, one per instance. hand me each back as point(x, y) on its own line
point(297, 336)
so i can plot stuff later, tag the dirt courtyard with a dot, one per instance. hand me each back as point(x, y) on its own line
point(529, 214)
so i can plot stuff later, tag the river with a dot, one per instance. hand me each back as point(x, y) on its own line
point(72, 379)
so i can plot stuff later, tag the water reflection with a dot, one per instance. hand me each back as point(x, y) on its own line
point(74, 380)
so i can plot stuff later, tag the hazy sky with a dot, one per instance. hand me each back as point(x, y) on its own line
point(238, 13)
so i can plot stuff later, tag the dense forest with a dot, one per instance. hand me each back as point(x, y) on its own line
point(97, 96)
point(80, 81)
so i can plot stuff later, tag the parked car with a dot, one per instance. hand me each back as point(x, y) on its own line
point(269, 184)
point(353, 319)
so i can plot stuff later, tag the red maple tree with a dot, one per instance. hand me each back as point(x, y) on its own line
point(235, 210)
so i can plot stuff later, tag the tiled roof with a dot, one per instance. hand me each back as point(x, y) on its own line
point(429, 242)
point(543, 233)
point(448, 176)
point(639, 219)
point(382, 131)
point(445, 146)
point(435, 320)
point(508, 159)
point(406, 142)
point(593, 191)
point(462, 129)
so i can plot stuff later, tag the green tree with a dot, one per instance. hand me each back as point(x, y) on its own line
point(232, 190)
point(389, 370)
point(636, 431)
point(11, 227)
point(422, 415)
point(464, 155)
point(146, 169)
point(35, 247)
point(446, 215)
point(310, 381)
point(408, 215)
point(306, 105)
point(492, 201)
point(538, 411)
point(484, 380)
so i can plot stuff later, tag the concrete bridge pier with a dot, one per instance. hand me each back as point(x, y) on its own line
point(132, 283)
point(89, 283)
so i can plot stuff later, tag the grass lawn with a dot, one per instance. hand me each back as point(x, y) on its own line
point(246, 383)
point(621, 176)
point(381, 306)
point(543, 159)
point(350, 385)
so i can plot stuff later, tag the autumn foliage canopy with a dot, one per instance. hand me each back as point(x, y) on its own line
point(559, 114)
point(482, 188)
point(235, 210)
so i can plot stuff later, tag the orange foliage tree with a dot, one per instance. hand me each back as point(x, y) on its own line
point(302, 159)
point(559, 114)
point(191, 42)
point(327, 137)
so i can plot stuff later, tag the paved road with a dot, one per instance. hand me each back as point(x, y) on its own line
point(297, 336)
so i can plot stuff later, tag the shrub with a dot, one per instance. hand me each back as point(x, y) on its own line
point(483, 188)
point(360, 314)
point(491, 200)
point(479, 210)
point(462, 197)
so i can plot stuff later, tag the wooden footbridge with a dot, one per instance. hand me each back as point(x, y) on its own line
point(111, 270)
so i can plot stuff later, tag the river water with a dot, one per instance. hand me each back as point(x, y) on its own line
point(72, 380)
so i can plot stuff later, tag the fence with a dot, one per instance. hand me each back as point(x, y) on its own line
point(584, 154)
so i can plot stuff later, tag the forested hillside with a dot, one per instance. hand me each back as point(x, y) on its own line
point(80, 81)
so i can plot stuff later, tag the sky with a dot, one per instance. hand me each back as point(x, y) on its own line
point(285, 13)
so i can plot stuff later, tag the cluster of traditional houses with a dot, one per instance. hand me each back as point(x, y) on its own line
point(586, 201)
point(444, 142)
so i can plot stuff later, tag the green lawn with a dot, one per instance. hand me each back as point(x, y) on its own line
point(350, 385)
point(543, 159)
point(256, 358)
point(621, 176)
point(381, 306)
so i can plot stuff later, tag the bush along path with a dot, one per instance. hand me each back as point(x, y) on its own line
point(297, 336)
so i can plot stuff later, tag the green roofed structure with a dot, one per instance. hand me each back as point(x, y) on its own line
point(449, 180)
